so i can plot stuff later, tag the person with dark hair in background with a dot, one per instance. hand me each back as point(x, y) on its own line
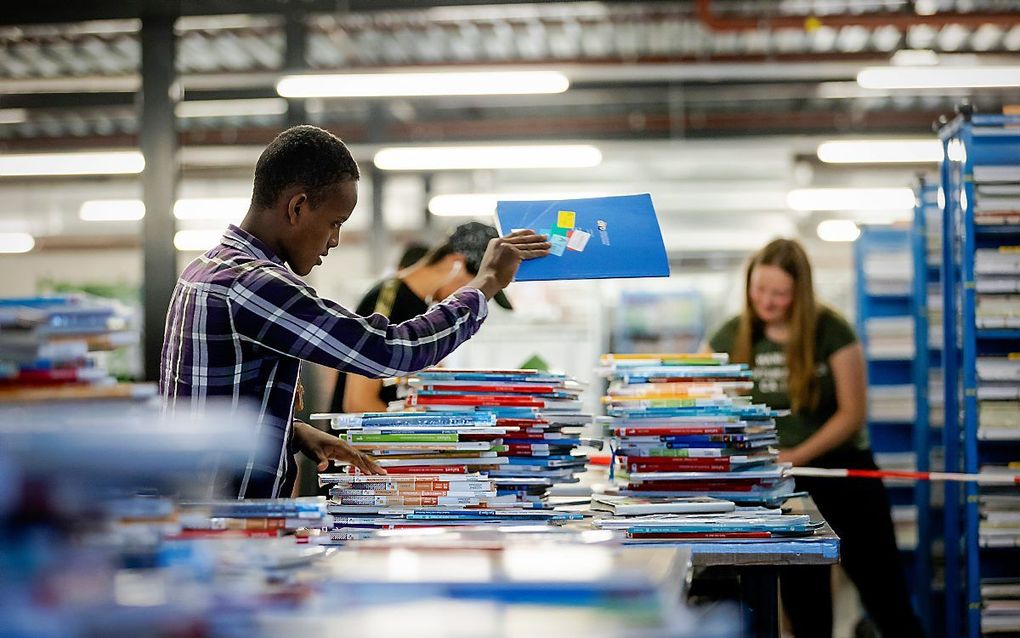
point(439, 273)
point(240, 322)
point(413, 252)
point(806, 358)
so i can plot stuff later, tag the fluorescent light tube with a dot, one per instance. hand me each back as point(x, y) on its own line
point(430, 158)
point(196, 240)
point(231, 209)
point(850, 199)
point(939, 77)
point(97, 163)
point(112, 210)
point(484, 204)
point(231, 108)
point(838, 230)
point(13, 116)
point(16, 242)
point(880, 151)
point(422, 83)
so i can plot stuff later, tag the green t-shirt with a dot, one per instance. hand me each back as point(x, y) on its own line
point(770, 377)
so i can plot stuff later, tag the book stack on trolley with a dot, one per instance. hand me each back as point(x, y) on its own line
point(468, 447)
point(57, 348)
point(694, 458)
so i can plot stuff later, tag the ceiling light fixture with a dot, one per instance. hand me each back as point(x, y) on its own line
point(484, 204)
point(196, 240)
point(13, 243)
point(13, 116)
point(422, 84)
point(97, 163)
point(939, 77)
point(231, 209)
point(838, 230)
point(218, 209)
point(231, 108)
point(112, 210)
point(880, 151)
point(850, 199)
point(429, 158)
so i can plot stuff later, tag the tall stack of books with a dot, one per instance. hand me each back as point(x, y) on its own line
point(50, 348)
point(542, 414)
point(684, 429)
point(473, 448)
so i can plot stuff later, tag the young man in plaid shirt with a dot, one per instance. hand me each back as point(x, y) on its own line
point(240, 322)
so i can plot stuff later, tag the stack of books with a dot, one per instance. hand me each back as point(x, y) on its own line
point(252, 517)
point(890, 338)
point(462, 458)
point(999, 397)
point(1000, 509)
point(50, 348)
point(1000, 605)
point(684, 425)
point(541, 411)
point(998, 195)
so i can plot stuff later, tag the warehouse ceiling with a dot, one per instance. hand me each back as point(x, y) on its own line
point(639, 70)
point(715, 107)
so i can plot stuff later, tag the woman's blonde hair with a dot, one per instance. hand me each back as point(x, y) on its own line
point(788, 255)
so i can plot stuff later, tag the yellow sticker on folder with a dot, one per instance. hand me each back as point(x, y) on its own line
point(565, 219)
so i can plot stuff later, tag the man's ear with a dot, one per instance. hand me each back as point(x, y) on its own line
point(296, 205)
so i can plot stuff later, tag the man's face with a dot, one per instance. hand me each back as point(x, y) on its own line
point(316, 231)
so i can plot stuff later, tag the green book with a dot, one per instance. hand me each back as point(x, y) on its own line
point(404, 438)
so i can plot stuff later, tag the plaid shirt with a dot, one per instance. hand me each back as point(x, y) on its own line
point(240, 322)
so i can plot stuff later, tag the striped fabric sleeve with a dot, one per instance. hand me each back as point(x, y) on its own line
point(274, 309)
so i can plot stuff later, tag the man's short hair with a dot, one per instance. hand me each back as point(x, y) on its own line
point(304, 156)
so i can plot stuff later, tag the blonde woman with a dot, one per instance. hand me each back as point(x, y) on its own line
point(806, 358)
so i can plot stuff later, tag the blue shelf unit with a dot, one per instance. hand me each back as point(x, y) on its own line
point(982, 162)
point(885, 325)
point(926, 249)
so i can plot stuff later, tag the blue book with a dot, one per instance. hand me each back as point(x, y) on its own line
point(593, 238)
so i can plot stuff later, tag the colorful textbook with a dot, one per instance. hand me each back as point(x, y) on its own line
point(593, 238)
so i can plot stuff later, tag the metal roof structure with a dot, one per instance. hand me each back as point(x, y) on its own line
point(639, 69)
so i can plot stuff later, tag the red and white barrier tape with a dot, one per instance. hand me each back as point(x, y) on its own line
point(953, 477)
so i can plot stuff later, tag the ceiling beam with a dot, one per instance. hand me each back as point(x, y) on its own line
point(53, 11)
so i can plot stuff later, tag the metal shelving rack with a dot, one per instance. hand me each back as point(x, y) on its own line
point(925, 231)
point(971, 141)
point(894, 368)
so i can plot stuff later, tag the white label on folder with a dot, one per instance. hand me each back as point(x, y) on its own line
point(559, 244)
point(578, 240)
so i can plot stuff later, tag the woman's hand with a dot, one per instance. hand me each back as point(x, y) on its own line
point(322, 447)
point(792, 456)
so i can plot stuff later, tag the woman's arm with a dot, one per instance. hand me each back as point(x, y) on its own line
point(362, 394)
point(848, 372)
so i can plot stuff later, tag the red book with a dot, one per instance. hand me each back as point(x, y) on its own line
point(670, 431)
point(692, 379)
point(692, 486)
point(675, 464)
point(506, 389)
point(428, 469)
point(523, 449)
point(520, 423)
point(225, 533)
point(477, 400)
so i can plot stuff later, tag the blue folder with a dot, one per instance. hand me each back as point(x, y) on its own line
point(593, 238)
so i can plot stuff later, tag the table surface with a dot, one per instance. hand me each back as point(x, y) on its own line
point(822, 548)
